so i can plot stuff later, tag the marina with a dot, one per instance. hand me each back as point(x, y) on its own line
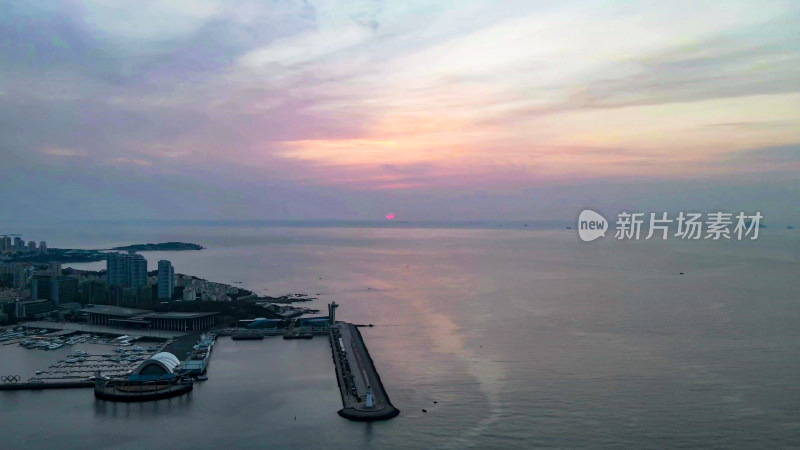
point(138, 368)
point(113, 356)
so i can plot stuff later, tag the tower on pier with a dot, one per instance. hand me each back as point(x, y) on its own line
point(332, 312)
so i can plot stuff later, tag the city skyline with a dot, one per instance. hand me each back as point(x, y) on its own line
point(427, 110)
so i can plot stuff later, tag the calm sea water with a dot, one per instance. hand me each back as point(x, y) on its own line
point(524, 338)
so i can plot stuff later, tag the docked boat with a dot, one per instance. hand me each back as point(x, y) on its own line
point(298, 335)
point(247, 337)
point(196, 363)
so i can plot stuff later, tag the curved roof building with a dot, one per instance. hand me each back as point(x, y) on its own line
point(159, 365)
point(151, 380)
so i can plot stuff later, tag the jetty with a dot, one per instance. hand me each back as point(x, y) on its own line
point(363, 395)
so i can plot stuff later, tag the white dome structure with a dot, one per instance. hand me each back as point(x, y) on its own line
point(167, 358)
point(163, 363)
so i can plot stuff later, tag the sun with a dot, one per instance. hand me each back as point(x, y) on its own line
point(390, 216)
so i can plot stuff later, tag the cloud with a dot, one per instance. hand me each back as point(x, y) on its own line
point(782, 154)
point(364, 101)
point(61, 151)
point(134, 161)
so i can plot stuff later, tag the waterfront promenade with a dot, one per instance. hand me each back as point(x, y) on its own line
point(88, 328)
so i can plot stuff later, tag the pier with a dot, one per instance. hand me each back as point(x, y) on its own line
point(36, 386)
point(363, 395)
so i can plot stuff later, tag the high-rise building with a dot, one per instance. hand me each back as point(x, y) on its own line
point(5, 244)
point(95, 292)
point(55, 289)
point(20, 276)
point(117, 270)
point(41, 287)
point(138, 270)
point(55, 269)
point(43, 247)
point(32, 246)
point(126, 269)
point(19, 244)
point(64, 290)
point(166, 280)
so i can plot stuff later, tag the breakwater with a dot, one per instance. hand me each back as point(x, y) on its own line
point(363, 395)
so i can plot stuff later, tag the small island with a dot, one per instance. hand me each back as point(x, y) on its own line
point(164, 246)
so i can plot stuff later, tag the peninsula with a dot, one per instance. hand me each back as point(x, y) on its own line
point(165, 246)
point(70, 255)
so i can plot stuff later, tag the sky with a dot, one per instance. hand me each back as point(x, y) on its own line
point(430, 110)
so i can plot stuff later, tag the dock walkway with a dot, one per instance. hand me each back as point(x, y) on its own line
point(45, 385)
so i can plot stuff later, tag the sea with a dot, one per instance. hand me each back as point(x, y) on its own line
point(486, 335)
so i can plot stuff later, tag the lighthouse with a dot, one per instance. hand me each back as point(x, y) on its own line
point(332, 312)
point(369, 396)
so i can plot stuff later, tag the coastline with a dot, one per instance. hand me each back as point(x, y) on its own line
point(76, 255)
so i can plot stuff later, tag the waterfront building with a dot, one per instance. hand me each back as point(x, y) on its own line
point(141, 318)
point(43, 247)
point(314, 323)
point(27, 309)
point(126, 269)
point(153, 379)
point(158, 365)
point(262, 323)
point(166, 280)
